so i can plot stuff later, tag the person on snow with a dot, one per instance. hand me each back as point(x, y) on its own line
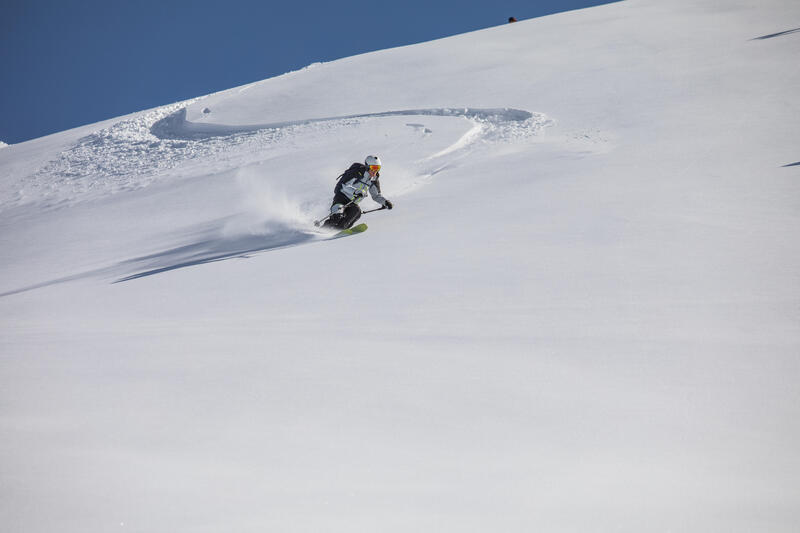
point(351, 188)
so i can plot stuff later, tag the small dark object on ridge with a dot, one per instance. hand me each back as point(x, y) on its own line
point(511, 19)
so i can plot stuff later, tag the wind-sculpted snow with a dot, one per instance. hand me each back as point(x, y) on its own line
point(162, 144)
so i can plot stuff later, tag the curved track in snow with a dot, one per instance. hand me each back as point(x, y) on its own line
point(175, 126)
point(162, 144)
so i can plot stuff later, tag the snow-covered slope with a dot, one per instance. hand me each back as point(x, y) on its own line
point(581, 315)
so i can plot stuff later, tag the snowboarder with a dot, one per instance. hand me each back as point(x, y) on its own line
point(351, 188)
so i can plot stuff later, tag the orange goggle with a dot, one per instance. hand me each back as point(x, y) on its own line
point(374, 168)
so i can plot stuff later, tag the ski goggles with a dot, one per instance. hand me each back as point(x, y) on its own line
point(374, 168)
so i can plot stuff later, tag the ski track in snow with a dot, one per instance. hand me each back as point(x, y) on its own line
point(161, 144)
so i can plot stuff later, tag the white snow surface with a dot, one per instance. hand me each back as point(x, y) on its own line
point(582, 314)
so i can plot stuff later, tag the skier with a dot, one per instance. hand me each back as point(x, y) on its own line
point(351, 188)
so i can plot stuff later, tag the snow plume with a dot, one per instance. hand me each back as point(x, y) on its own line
point(271, 203)
point(270, 216)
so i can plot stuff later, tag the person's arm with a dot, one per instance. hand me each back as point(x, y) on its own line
point(375, 192)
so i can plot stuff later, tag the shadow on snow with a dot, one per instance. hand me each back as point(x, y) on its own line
point(779, 34)
point(205, 250)
point(212, 250)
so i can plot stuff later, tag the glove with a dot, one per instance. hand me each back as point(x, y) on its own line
point(387, 204)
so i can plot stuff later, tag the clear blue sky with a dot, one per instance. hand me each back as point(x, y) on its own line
point(73, 62)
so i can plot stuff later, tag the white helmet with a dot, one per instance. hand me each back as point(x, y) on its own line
point(372, 160)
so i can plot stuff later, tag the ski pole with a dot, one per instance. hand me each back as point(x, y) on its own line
point(373, 210)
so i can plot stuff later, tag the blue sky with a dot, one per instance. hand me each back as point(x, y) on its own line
point(73, 62)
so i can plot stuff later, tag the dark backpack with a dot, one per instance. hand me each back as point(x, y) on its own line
point(356, 170)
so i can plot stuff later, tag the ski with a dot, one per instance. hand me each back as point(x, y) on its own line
point(360, 228)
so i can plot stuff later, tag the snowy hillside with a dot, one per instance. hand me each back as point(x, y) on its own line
point(581, 314)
